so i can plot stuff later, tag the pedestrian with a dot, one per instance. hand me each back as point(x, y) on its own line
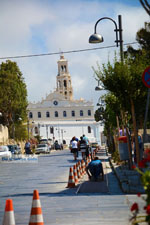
point(94, 169)
point(140, 147)
point(27, 148)
point(87, 145)
point(74, 147)
point(82, 147)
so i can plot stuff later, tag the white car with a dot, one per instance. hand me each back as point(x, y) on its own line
point(42, 148)
point(4, 151)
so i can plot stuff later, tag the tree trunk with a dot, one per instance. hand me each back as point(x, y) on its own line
point(135, 132)
point(117, 119)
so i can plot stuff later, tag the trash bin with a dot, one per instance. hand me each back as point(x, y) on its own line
point(123, 148)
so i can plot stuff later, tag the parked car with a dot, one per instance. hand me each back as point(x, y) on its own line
point(15, 149)
point(42, 148)
point(4, 151)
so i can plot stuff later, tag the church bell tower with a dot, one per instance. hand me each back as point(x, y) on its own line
point(64, 85)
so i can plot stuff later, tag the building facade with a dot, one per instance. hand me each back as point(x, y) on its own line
point(59, 116)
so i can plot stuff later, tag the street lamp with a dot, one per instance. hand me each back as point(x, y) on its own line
point(97, 38)
point(99, 87)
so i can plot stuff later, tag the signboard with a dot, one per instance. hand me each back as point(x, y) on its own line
point(146, 77)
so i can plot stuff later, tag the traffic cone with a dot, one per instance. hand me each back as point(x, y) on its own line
point(9, 218)
point(78, 170)
point(36, 217)
point(86, 164)
point(75, 174)
point(83, 166)
point(71, 181)
point(90, 158)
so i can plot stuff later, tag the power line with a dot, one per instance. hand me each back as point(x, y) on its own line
point(65, 52)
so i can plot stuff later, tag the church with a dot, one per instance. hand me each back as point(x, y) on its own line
point(60, 117)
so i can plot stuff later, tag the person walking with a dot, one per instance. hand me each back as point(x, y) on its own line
point(82, 147)
point(27, 148)
point(87, 145)
point(95, 169)
point(74, 147)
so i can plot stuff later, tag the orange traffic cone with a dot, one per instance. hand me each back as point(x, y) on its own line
point(86, 164)
point(90, 158)
point(75, 174)
point(71, 181)
point(9, 218)
point(83, 166)
point(36, 217)
point(78, 170)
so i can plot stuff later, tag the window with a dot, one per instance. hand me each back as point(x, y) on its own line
point(56, 114)
point(73, 113)
point(89, 112)
point(47, 114)
point(64, 114)
point(65, 83)
point(81, 112)
point(30, 115)
point(39, 114)
point(89, 129)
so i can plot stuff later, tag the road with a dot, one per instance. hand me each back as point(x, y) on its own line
point(60, 205)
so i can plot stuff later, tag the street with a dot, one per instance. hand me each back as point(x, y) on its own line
point(60, 205)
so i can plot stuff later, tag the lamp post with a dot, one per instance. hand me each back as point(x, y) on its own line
point(97, 38)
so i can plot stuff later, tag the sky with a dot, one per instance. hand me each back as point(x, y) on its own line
point(30, 27)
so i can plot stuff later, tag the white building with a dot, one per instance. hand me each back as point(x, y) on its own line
point(59, 116)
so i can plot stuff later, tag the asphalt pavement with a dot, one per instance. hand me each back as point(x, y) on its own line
point(89, 203)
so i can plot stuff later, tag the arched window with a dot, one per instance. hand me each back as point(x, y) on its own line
point(89, 112)
point(56, 114)
point(64, 113)
point(73, 113)
point(65, 92)
point(89, 129)
point(30, 115)
point(47, 114)
point(39, 114)
point(65, 83)
point(81, 112)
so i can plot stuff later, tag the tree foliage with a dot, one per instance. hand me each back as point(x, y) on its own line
point(13, 95)
point(124, 80)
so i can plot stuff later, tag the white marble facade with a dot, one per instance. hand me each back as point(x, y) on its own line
point(59, 116)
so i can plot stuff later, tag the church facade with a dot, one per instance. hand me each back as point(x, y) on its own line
point(60, 117)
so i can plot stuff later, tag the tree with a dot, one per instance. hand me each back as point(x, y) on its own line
point(13, 95)
point(124, 81)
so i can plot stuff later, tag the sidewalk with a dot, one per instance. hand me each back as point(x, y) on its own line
point(88, 186)
point(129, 180)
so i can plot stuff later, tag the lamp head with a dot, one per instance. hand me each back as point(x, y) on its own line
point(99, 88)
point(95, 38)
